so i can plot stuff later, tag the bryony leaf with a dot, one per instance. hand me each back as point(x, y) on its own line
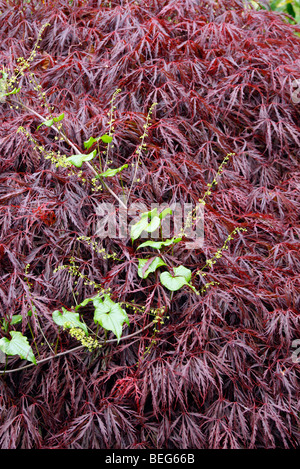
point(112, 172)
point(31, 311)
point(153, 264)
point(182, 271)
point(144, 225)
point(159, 244)
point(59, 118)
point(77, 160)
point(106, 138)
point(153, 225)
point(16, 319)
point(172, 283)
point(88, 143)
point(68, 319)
point(18, 345)
point(85, 302)
point(137, 229)
point(181, 277)
point(48, 123)
point(152, 213)
point(165, 212)
point(110, 315)
point(14, 91)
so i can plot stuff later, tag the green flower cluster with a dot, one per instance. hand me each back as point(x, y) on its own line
point(218, 255)
point(74, 271)
point(193, 215)
point(55, 157)
point(215, 182)
point(159, 317)
point(24, 63)
point(79, 335)
point(95, 247)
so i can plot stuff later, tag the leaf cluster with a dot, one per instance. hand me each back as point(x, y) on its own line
point(219, 372)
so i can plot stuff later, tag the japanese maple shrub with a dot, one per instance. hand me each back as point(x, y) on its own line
point(164, 343)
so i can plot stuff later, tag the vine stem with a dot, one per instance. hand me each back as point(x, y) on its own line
point(75, 349)
point(77, 151)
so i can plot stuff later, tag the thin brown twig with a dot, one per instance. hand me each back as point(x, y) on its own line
point(75, 349)
point(77, 151)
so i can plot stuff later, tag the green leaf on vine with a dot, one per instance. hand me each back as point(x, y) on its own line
point(88, 143)
point(153, 263)
point(137, 229)
point(49, 122)
point(77, 160)
point(112, 172)
point(15, 319)
point(59, 118)
point(159, 244)
point(144, 225)
point(110, 315)
point(181, 277)
point(68, 319)
point(85, 302)
point(172, 283)
point(18, 345)
point(165, 212)
point(182, 271)
point(106, 138)
point(153, 225)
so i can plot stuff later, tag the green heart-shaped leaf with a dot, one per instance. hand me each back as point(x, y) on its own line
point(144, 225)
point(18, 345)
point(154, 264)
point(88, 143)
point(106, 138)
point(48, 123)
point(112, 172)
point(182, 271)
point(59, 118)
point(159, 244)
point(137, 229)
point(110, 315)
point(16, 319)
point(85, 302)
point(77, 160)
point(181, 277)
point(165, 212)
point(152, 213)
point(153, 225)
point(14, 91)
point(68, 319)
point(172, 283)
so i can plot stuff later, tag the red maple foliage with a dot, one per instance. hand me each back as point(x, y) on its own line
point(221, 373)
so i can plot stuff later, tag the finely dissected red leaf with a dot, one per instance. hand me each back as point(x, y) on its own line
point(219, 372)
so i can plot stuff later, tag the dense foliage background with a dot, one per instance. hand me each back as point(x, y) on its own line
point(221, 374)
